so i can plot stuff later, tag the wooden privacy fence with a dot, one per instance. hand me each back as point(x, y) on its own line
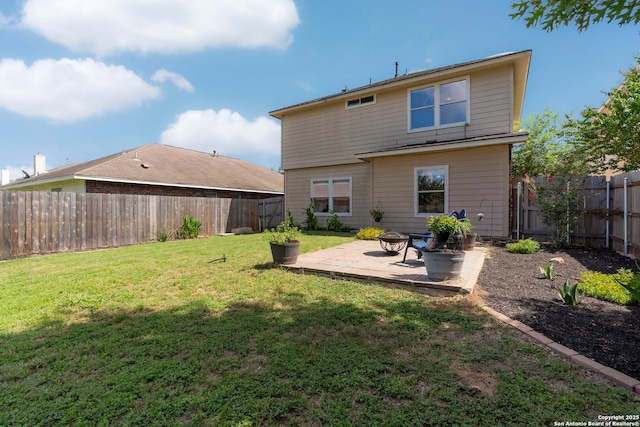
point(49, 222)
point(611, 214)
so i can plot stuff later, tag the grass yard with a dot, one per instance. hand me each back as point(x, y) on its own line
point(170, 334)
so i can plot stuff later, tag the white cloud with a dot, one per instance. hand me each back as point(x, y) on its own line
point(225, 131)
point(4, 21)
point(69, 90)
point(167, 26)
point(163, 75)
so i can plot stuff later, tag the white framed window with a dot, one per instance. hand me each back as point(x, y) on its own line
point(358, 102)
point(331, 194)
point(431, 190)
point(439, 105)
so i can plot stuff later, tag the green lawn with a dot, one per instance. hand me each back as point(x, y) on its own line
point(170, 334)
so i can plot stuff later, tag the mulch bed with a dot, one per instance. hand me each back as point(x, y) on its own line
point(606, 332)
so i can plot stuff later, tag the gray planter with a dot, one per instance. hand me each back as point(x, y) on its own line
point(443, 265)
point(469, 241)
point(286, 253)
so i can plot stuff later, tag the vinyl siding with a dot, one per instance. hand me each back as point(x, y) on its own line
point(298, 192)
point(329, 134)
point(70, 185)
point(477, 176)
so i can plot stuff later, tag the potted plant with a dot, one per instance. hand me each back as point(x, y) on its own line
point(377, 213)
point(444, 257)
point(442, 227)
point(469, 237)
point(284, 242)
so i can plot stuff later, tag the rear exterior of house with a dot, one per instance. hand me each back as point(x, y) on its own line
point(416, 146)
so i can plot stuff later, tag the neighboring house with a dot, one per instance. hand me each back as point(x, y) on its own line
point(418, 145)
point(157, 169)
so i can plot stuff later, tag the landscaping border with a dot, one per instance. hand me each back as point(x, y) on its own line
point(630, 383)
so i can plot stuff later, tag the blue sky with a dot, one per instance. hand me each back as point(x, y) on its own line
point(82, 80)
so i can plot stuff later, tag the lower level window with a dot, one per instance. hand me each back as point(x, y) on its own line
point(431, 190)
point(331, 195)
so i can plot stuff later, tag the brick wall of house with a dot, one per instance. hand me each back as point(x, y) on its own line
point(159, 190)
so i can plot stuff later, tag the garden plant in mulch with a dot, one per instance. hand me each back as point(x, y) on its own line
point(515, 285)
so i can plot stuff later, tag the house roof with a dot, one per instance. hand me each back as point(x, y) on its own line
point(157, 164)
point(440, 145)
point(521, 70)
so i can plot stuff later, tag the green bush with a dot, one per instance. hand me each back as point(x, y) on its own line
point(607, 286)
point(524, 246)
point(190, 228)
point(164, 234)
point(334, 223)
point(369, 233)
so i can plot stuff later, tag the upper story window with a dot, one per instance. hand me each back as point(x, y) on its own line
point(357, 102)
point(331, 195)
point(439, 105)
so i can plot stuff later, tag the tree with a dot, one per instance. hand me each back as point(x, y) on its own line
point(546, 152)
point(610, 136)
point(552, 14)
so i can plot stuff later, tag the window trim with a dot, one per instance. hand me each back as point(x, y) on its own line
point(331, 181)
point(416, 212)
point(437, 104)
point(360, 103)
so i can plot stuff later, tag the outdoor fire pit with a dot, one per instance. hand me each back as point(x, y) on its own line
point(393, 242)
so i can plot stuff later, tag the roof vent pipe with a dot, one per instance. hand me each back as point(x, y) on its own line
point(396, 76)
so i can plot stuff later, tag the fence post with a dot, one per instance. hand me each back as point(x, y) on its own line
point(607, 236)
point(518, 210)
point(626, 216)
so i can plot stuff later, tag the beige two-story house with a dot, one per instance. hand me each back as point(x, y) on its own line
point(416, 145)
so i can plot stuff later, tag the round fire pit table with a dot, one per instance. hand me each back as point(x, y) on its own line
point(393, 242)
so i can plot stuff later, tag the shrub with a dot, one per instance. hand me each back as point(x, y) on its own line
point(164, 234)
point(369, 233)
point(524, 246)
point(190, 228)
point(607, 286)
point(312, 221)
point(333, 223)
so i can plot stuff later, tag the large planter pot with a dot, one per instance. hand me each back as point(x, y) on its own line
point(469, 241)
point(286, 253)
point(443, 265)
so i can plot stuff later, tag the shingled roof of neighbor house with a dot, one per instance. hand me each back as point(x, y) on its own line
point(158, 164)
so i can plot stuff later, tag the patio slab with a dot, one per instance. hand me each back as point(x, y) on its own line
point(365, 260)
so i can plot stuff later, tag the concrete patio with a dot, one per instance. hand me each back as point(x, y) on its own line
point(365, 260)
